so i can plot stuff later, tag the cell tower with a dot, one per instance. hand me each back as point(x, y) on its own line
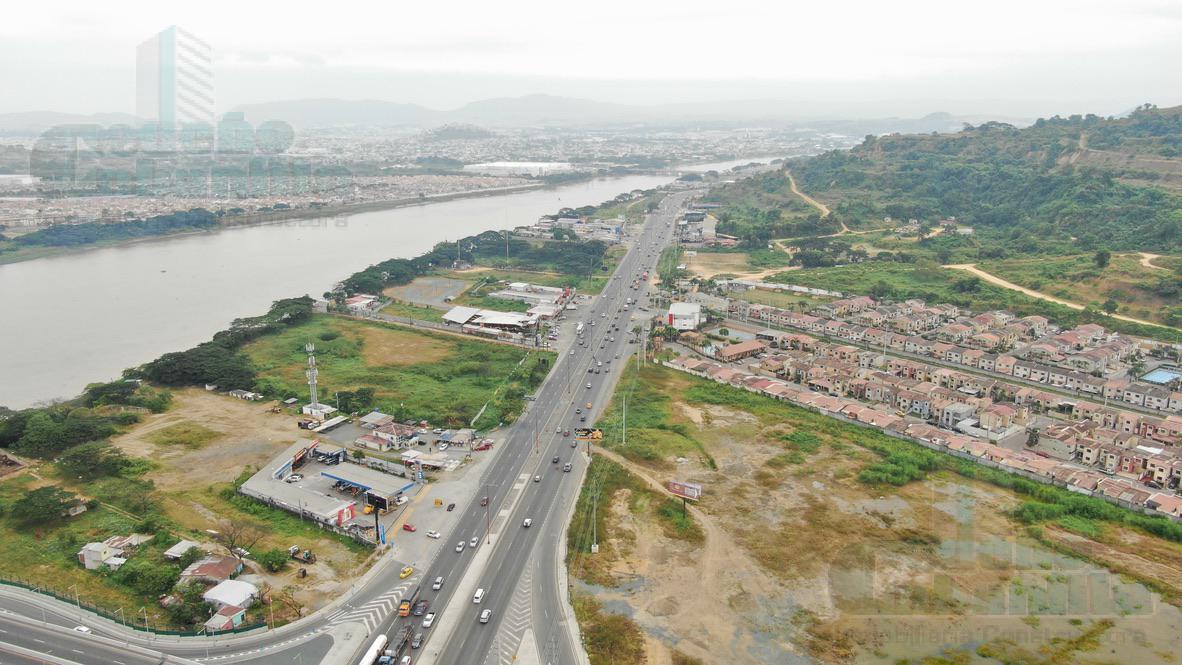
point(312, 372)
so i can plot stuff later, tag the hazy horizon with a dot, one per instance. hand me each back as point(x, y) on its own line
point(844, 59)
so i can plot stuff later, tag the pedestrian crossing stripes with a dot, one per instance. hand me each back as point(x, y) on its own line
point(373, 612)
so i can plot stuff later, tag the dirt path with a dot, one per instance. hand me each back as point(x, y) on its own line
point(997, 281)
point(718, 571)
point(1147, 261)
point(810, 200)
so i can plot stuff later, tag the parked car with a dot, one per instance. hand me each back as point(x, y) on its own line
point(293, 478)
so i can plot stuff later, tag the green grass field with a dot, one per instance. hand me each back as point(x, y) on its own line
point(411, 311)
point(442, 378)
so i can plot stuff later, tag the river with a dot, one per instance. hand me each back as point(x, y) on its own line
point(83, 317)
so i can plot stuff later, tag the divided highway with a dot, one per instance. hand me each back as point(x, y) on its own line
point(511, 561)
point(547, 500)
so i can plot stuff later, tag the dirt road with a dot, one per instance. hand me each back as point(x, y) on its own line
point(824, 209)
point(997, 281)
point(1147, 260)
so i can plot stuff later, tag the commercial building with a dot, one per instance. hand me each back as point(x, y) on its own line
point(174, 80)
point(684, 315)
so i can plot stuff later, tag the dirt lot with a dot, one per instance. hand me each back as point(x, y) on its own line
point(434, 291)
point(709, 264)
point(213, 439)
point(803, 562)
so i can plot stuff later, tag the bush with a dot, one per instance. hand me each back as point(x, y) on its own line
point(273, 560)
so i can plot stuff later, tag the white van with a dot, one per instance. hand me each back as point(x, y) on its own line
point(479, 596)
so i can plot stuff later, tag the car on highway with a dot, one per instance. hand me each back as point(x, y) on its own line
point(566, 467)
point(483, 501)
point(409, 527)
point(474, 542)
point(82, 629)
point(406, 572)
point(433, 534)
point(416, 641)
point(478, 596)
point(582, 419)
point(421, 607)
point(451, 507)
point(527, 523)
point(588, 406)
point(566, 433)
point(572, 351)
point(438, 583)
point(405, 661)
point(460, 546)
point(428, 620)
point(578, 410)
point(588, 386)
point(485, 616)
point(404, 608)
point(558, 430)
point(555, 460)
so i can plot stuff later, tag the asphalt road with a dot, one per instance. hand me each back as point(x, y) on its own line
point(547, 500)
point(530, 445)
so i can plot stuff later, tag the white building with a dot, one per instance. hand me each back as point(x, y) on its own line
point(684, 315)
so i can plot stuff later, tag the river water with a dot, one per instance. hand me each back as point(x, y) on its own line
point(79, 318)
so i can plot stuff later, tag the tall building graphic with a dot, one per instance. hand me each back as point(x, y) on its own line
point(174, 80)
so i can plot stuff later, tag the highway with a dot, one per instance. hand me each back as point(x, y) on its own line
point(502, 557)
point(547, 500)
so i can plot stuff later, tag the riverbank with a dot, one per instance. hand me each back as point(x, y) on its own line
point(274, 217)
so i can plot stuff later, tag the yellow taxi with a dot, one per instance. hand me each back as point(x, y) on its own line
point(406, 572)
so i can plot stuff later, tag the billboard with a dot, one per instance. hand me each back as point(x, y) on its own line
point(587, 434)
point(684, 490)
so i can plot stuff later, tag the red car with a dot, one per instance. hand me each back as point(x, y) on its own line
point(566, 433)
point(409, 527)
point(484, 446)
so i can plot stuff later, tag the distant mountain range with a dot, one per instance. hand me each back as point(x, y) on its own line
point(533, 111)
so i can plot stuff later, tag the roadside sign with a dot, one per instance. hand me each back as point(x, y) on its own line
point(684, 490)
point(587, 434)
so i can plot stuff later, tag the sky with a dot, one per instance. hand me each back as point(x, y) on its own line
point(908, 56)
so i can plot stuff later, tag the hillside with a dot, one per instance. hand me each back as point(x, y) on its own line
point(1041, 189)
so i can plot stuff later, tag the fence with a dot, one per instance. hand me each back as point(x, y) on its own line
point(120, 618)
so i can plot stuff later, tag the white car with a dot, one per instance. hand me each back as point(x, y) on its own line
point(437, 584)
point(474, 542)
point(433, 534)
point(460, 546)
point(588, 386)
point(442, 447)
point(428, 620)
point(82, 629)
point(528, 521)
point(293, 478)
point(485, 616)
point(537, 479)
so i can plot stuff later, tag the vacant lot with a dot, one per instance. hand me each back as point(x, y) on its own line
point(1137, 289)
point(816, 564)
point(445, 379)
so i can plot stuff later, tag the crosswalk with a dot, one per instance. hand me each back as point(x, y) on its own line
point(518, 617)
point(373, 612)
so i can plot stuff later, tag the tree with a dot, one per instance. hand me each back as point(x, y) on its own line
point(236, 536)
point(273, 560)
point(1102, 258)
point(44, 505)
point(1110, 306)
point(1032, 437)
point(41, 436)
point(92, 460)
point(192, 608)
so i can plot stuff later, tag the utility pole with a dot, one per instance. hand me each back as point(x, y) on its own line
point(624, 441)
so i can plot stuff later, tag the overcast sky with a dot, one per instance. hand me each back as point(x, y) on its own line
point(910, 56)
